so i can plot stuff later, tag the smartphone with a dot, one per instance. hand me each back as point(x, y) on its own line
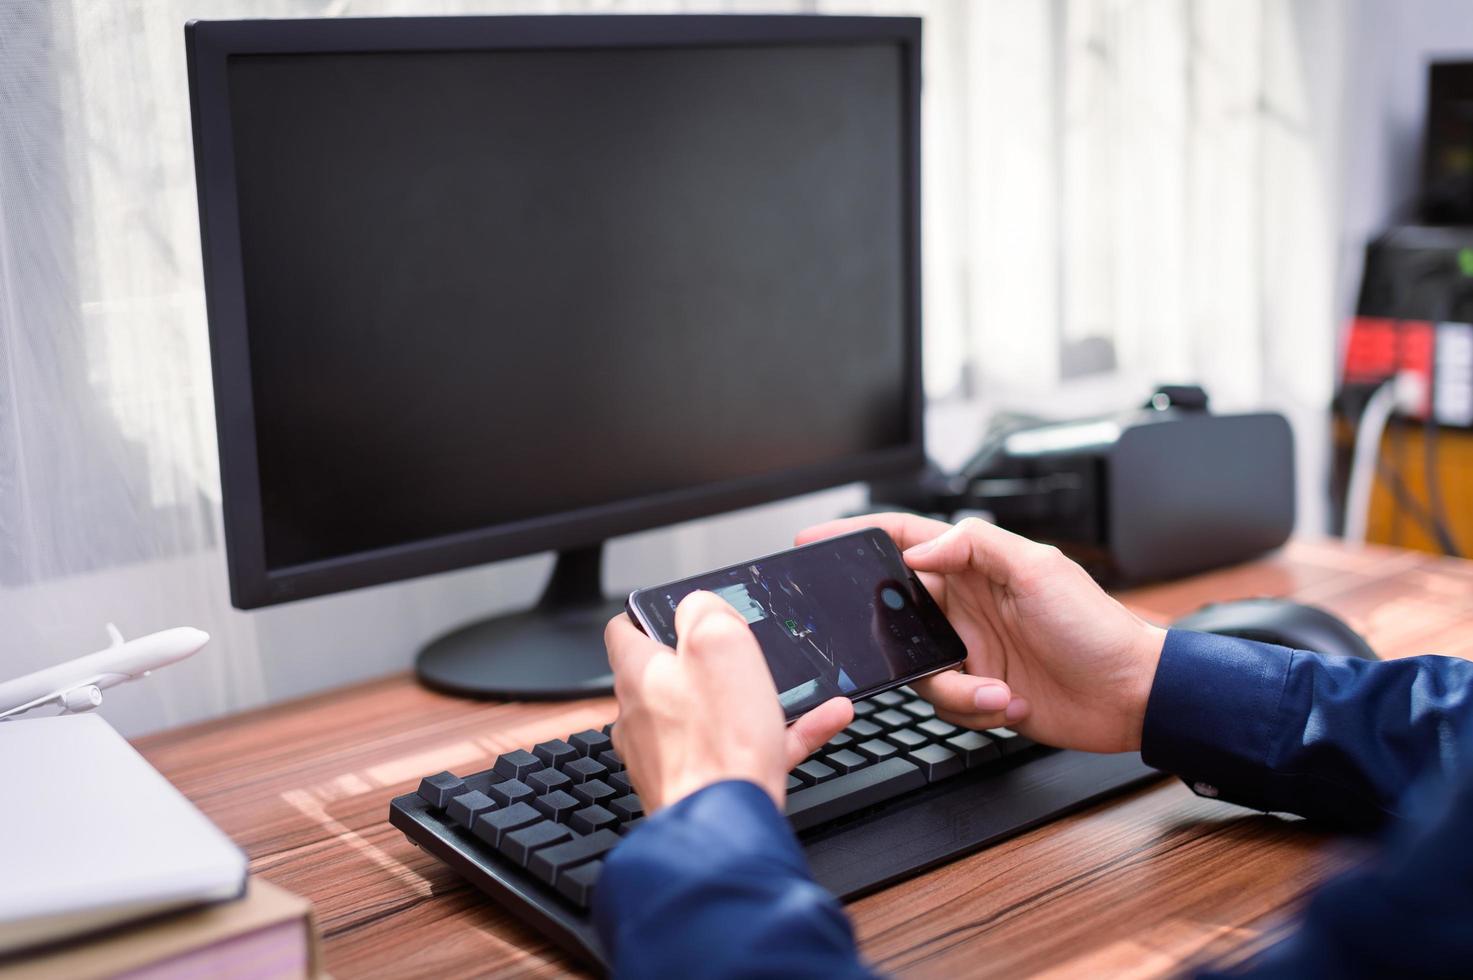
point(839, 616)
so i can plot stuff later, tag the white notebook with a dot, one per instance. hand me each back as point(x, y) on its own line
point(92, 836)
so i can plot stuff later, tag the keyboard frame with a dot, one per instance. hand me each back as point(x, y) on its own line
point(909, 835)
point(852, 856)
point(512, 886)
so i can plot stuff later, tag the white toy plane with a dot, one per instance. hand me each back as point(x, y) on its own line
point(77, 685)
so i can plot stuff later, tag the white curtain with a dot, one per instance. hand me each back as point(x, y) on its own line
point(1140, 191)
point(1115, 193)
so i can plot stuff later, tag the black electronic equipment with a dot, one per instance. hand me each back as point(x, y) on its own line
point(482, 287)
point(1447, 159)
point(897, 793)
point(1162, 491)
point(1282, 622)
point(1413, 323)
point(843, 616)
point(1414, 316)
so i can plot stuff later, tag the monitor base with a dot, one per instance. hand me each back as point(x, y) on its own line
point(551, 652)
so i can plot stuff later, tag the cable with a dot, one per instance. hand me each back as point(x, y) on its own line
point(1368, 433)
point(1404, 498)
point(1444, 536)
point(1430, 432)
point(1365, 465)
point(1434, 270)
point(1455, 295)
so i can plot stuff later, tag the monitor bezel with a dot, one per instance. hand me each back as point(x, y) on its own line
point(209, 45)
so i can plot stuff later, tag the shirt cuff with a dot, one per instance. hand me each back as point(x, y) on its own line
point(731, 827)
point(1213, 712)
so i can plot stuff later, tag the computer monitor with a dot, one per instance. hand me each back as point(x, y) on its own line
point(1447, 151)
point(483, 287)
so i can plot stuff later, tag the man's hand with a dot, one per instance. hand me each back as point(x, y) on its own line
point(706, 711)
point(1048, 652)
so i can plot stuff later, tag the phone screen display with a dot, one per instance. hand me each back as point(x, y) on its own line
point(839, 616)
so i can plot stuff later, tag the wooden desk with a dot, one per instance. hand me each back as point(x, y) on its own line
point(1140, 885)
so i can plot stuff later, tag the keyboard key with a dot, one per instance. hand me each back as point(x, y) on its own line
point(846, 760)
point(465, 808)
point(582, 770)
point(576, 884)
point(843, 740)
point(936, 728)
point(609, 730)
point(557, 805)
point(611, 760)
point(591, 818)
point(626, 808)
point(594, 791)
point(517, 765)
point(519, 844)
point(907, 690)
point(919, 710)
point(492, 827)
point(890, 718)
point(795, 783)
point(862, 728)
point(907, 738)
point(510, 791)
point(876, 749)
point(554, 753)
point(851, 792)
point(439, 789)
point(1010, 741)
point(865, 708)
point(481, 781)
point(628, 828)
point(591, 742)
point(621, 782)
point(546, 780)
point(975, 748)
point(937, 762)
point(813, 772)
point(888, 699)
point(549, 862)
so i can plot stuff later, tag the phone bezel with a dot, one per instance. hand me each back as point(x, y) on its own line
point(636, 614)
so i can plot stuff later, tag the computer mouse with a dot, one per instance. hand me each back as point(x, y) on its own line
point(1281, 621)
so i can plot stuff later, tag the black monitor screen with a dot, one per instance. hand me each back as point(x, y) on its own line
point(485, 287)
point(1447, 168)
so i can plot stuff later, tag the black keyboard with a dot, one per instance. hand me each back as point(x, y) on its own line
point(897, 792)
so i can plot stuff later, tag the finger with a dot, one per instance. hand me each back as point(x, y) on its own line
point(907, 530)
point(629, 648)
point(1016, 713)
point(976, 721)
point(975, 544)
point(705, 621)
point(816, 727)
point(962, 693)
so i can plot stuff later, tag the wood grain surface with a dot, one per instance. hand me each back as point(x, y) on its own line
point(1140, 886)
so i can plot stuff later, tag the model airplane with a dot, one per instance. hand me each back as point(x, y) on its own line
point(77, 685)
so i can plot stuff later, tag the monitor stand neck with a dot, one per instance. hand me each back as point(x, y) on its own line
point(551, 652)
point(576, 580)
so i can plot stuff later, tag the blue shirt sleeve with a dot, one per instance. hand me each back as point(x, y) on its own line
point(1336, 739)
point(717, 886)
point(1351, 741)
point(1406, 913)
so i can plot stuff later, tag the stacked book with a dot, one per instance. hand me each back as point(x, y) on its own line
point(266, 933)
point(108, 871)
